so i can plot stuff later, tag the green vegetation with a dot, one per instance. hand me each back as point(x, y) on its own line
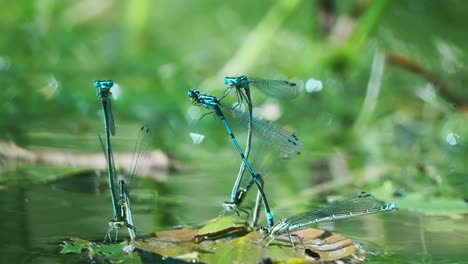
point(390, 120)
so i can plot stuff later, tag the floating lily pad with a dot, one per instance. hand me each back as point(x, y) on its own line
point(173, 243)
point(225, 240)
point(248, 247)
point(323, 244)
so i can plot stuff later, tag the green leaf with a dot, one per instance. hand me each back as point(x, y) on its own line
point(71, 249)
point(75, 245)
point(217, 224)
point(223, 246)
point(249, 248)
point(173, 243)
point(113, 253)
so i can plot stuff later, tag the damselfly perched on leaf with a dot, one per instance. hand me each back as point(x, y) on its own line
point(121, 186)
point(350, 206)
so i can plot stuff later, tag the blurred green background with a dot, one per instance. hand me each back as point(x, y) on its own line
point(390, 119)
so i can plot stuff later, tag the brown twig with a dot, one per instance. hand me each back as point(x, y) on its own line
point(12, 155)
point(411, 65)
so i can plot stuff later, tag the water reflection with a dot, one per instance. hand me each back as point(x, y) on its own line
point(90, 181)
point(35, 219)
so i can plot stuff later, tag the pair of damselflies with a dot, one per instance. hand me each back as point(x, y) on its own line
point(284, 142)
point(121, 186)
point(278, 89)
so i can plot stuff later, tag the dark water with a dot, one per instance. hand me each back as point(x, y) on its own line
point(36, 219)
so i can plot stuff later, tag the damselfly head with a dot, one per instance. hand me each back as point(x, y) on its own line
point(236, 81)
point(193, 93)
point(100, 85)
point(390, 207)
